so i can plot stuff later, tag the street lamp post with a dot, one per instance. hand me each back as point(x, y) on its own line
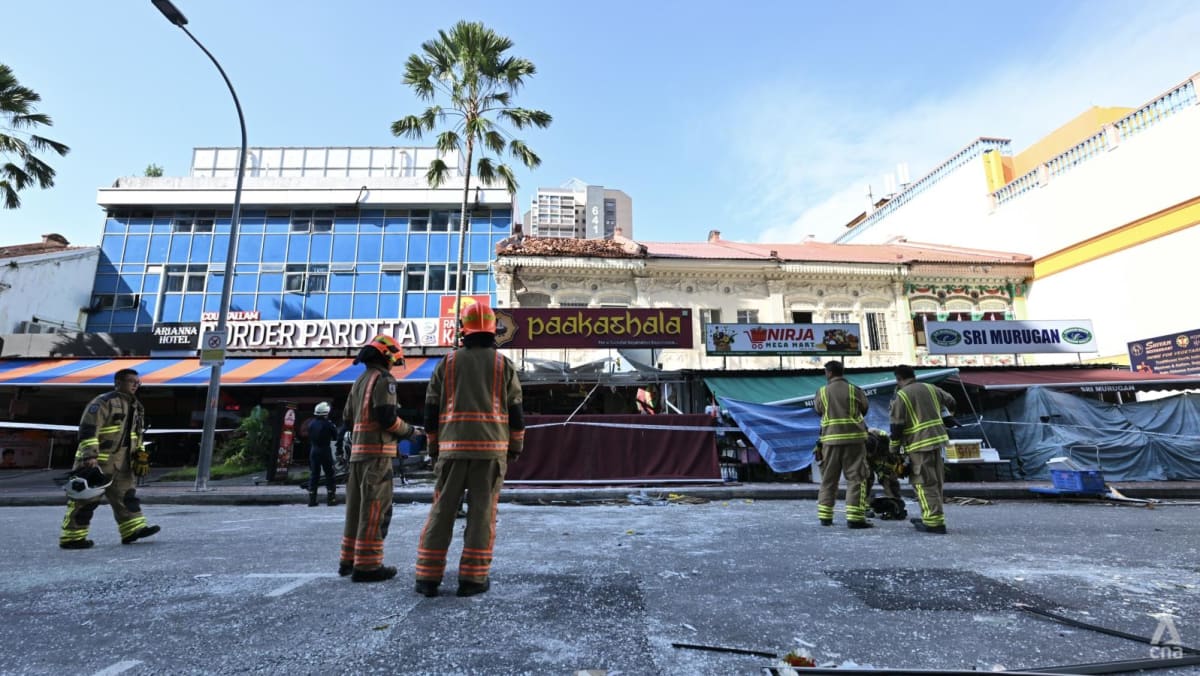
point(204, 464)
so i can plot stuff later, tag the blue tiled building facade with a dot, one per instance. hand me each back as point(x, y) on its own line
point(163, 263)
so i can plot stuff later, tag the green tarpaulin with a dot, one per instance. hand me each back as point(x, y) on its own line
point(798, 389)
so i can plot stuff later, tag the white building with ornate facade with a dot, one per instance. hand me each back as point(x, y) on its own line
point(888, 289)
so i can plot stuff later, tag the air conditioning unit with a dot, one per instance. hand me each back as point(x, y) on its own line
point(36, 327)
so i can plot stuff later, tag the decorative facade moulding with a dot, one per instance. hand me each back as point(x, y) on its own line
point(841, 271)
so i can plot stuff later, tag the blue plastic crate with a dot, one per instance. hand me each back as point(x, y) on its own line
point(1078, 481)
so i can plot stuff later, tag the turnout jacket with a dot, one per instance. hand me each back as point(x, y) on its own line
point(370, 413)
point(841, 406)
point(110, 430)
point(916, 417)
point(473, 406)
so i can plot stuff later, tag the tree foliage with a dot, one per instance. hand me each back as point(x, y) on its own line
point(20, 166)
point(468, 67)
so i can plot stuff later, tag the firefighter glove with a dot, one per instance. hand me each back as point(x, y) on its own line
point(141, 462)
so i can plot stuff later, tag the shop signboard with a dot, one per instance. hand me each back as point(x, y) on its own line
point(594, 328)
point(448, 318)
point(325, 333)
point(789, 340)
point(1023, 336)
point(176, 336)
point(1174, 353)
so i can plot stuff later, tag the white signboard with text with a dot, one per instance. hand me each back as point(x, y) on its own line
point(1025, 336)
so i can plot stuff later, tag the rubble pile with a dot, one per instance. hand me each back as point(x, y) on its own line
point(566, 246)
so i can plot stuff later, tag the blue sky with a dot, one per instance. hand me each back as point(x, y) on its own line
point(765, 120)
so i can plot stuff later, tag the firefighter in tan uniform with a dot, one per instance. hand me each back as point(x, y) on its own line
point(843, 449)
point(370, 413)
point(476, 427)
point(916, 420)
point(110, 440)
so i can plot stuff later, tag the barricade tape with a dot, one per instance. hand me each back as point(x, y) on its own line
point(686, 428)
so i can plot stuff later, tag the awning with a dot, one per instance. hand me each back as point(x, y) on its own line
point(189, 372)
point(798, 389)
point(1087, 380)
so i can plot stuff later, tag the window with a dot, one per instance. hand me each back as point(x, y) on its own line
point(877, 336)
point(117, 301)
point(747, 316)
point(923, 311)
point(710, 316)
point(180, 278)
point(443, 221)
point(418, 221)
point(300, 278)
point(802, 317)
point(307, 220)
point(958, 311)
point(573, 302)
point(533, 300)
point(839, 317)
point(193, 221)
point(416, 278)
point(992, 311)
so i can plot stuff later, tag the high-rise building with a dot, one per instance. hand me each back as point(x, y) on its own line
point(580, 211)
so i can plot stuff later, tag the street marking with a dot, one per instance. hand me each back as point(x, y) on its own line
point(301, 578)
point(118, 668)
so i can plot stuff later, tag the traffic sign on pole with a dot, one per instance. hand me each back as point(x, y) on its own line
point(212, 348)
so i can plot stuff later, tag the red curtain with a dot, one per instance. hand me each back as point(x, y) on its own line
point(622, 451)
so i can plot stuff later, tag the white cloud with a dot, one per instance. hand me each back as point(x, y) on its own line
point(807, 156)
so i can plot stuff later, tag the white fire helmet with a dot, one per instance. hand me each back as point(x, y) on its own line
point(87, 484)
point(322, 408)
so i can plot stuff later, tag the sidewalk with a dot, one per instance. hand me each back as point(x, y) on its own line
point(20, 488)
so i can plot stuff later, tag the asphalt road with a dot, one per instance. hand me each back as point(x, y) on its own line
point(230, 590)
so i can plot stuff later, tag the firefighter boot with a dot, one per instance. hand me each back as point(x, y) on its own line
point(143, 532)
point(76, 544)
point(312, 498)
point(427, 588)
point(330, 499)
point(378, 575)
point(467, 588)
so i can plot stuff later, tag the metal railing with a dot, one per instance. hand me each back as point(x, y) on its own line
point(1134, 123)
point(971, 151)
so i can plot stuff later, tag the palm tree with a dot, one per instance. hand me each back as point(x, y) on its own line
point(468, 65)
point(17, 119)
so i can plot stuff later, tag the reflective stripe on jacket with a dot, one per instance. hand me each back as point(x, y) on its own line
point(374, 388)
point(917, 409)
point(102, 430)
point(473, 389)
point(842, 407)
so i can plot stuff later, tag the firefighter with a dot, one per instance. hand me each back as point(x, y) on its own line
point(475, 429)
point(370, 412)
point(110, 440)
point(916, 421)
point(842, 406)
point(322, 435)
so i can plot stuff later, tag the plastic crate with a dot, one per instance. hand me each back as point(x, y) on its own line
point(1081, 481)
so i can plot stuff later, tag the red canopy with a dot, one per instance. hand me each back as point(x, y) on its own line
point(1084, 379)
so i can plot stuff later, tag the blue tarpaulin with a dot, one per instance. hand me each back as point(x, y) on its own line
point(1142, 441)
point(783, 435)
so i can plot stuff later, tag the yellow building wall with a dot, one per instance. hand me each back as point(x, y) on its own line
point(1084, 125)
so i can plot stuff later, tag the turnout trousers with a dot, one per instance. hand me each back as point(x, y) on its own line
point(368, 512)
point(481, 478)
point(126, 507)
point(851, 461)
point(928, 475)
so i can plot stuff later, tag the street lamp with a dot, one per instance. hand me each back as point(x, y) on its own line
point(204, 464)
